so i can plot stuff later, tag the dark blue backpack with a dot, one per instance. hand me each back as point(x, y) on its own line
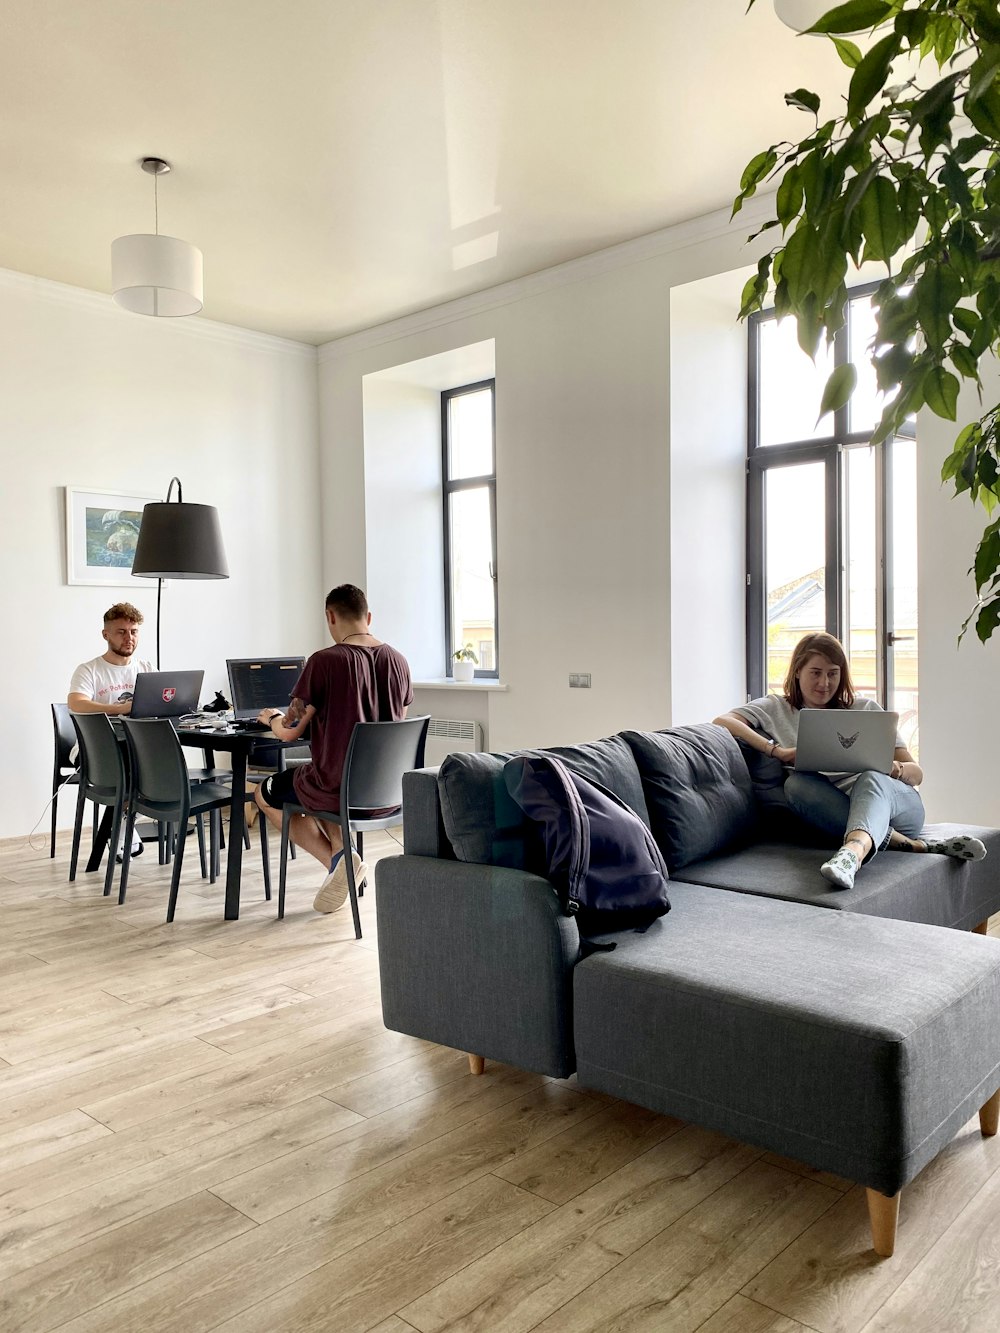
point(600, 856)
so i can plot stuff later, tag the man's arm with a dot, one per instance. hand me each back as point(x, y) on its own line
point(288, 726)
point(79, 703)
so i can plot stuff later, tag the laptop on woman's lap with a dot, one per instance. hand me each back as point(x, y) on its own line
point(842, 740)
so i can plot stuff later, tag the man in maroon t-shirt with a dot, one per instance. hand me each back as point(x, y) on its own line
point(359, 679)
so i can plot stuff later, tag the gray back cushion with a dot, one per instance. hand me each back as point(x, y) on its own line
point(697, 790)
point(485, 825)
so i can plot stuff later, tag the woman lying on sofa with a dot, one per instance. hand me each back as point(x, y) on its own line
point(869, 810)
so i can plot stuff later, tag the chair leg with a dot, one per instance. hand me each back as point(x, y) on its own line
point(116, 823)
point(74, 855)
point(283, 864)
point(199, 822)
point(989, 1115)
point(126, 860)
point(265, 857)
point(55, 814)
point(175, 878)
point(359, 842)
point(216, 821)
point(352, 888)
point(883, 1213)
point(477, 1063)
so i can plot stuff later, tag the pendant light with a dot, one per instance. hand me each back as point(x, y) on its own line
point(156, 275)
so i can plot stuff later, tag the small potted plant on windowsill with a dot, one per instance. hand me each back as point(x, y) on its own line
point(465, 663)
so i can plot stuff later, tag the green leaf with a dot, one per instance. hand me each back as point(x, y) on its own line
point(952, 177)
point(804, 100)
point(938, 292)
point(757, 169)
point(870, 76)
point(848, 52)
point(984, 112)
point(790, 194)
point(940, 390)
point(853, 16)
point(984, 71)
point(966, 320)
point(964, 361)
point(987, 620)
point(987, 559)
point(880, 220)
point(838, 389)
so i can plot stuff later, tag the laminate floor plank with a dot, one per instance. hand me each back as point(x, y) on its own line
point(830, 1278)
point(47, 1138)
point(741, 1315)
point(957, 1286)
point(535, 1273)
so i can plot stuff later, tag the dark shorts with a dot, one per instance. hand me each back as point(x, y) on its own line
point(279, 789)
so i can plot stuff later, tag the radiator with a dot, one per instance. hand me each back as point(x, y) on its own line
point(446, 735)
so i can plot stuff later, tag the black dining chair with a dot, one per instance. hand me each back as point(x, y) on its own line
point(102, 780)
point(161, 789)
point(378, 755)
point(64, 770)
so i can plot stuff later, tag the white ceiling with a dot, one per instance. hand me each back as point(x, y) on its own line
point(344, 162)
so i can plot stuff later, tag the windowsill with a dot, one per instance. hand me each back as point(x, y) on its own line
point(447, 683)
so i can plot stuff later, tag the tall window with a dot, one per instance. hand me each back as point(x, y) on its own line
point(831, 519)
point(468, 421)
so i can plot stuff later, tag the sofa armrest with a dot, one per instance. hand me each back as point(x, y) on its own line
point(479, 958)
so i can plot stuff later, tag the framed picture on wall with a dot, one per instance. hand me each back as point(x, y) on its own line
point(102, 528)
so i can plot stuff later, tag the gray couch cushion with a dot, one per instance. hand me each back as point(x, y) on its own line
point(485, 825)
point(856, 1045)
point(936, 890)
point(697, 790)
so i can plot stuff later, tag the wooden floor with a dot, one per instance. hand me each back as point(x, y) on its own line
point(206, 1126)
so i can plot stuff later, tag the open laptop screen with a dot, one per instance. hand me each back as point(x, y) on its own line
point(166, 693)
point(261, 682)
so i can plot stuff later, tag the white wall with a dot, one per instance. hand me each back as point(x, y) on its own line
point(959, 721)
point(583, 476)
point(708, 449)
point(93, 397)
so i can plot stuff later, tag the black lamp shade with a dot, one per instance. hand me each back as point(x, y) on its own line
point(180, 541)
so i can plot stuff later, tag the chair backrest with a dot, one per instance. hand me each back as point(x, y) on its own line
point(159, 773)
point(63, 735)
point(100, 753)
point(378, 755)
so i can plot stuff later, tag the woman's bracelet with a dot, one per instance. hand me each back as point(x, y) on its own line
point(774, 746)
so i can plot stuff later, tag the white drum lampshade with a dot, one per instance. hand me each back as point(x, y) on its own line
point(157, 275)
point(802, 14)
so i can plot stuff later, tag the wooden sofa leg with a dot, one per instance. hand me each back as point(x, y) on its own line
point(989, 1115)
point(983, 928)
point(477, 1063)
point(883, 1213)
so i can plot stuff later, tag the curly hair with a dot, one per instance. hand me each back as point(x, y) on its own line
point(347, 600)
point(832, 649)
point(123, 611)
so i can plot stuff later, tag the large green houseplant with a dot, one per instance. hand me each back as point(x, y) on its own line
point(905, 172)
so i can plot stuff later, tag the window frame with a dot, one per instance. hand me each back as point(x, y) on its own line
point(832, 450)
point(449, 487)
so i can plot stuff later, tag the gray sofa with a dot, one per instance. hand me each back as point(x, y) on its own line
point(858, 1039)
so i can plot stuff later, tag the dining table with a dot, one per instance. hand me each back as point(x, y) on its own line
point(239, 742)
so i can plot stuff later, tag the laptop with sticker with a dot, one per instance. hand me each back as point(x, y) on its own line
point(844, 740)
point(166, 693)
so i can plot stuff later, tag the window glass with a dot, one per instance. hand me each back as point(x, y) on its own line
point(860, 610)
point(903, 698)
point(470, 434)
point(795, 556)
point(473, 605)
point(791, 386)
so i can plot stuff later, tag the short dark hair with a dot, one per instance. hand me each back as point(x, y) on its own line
point(832, 649)
point(123, 611)
point(347, 600)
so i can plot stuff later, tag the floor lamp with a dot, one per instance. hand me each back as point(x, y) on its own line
point(178, 541)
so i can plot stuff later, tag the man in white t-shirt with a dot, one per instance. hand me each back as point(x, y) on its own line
point(106, 683)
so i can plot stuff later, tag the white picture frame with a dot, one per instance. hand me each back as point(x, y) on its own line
point(102, 528)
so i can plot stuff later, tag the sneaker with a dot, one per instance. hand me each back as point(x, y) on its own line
point(136, 849)
point(333, 891)
point(841, 869)
point(964, 847)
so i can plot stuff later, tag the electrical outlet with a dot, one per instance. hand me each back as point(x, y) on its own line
point(579, 680)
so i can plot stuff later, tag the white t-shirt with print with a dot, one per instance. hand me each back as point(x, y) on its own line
point(105, 683)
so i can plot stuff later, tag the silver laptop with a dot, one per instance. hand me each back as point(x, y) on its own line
point(841, 740)
point(166, 693)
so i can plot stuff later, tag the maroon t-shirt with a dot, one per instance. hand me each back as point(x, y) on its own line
point(346, 683)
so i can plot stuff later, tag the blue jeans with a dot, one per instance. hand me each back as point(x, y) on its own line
point(877, 804)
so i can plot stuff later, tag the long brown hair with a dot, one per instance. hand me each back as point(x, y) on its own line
point(831, 648)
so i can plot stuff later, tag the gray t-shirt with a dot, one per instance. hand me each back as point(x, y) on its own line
point(776, 717)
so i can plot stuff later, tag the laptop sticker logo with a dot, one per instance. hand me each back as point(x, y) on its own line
point(848, 741)
point(168, 694)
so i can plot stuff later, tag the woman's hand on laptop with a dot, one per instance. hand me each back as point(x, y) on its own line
point(786, 753)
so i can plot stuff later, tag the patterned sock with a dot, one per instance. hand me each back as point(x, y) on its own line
point(841, 868)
